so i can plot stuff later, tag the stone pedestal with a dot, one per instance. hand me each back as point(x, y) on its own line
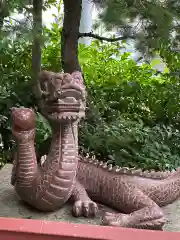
point(11, 206)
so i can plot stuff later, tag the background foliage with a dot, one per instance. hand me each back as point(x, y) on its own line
point(149, 23)
point(133, 111)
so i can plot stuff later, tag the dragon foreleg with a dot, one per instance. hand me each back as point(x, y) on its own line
point(83, 205)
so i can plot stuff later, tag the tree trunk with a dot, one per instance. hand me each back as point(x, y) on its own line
point(1, 22)
point(4, 12)
point(70, 35)
point(37, 34)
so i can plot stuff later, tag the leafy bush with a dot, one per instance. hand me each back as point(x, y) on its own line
point(122, 85)
point(131, 143)
point(15, 83)
point(133, 113)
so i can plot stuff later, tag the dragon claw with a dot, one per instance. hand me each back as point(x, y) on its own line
point(115, 219)
point(85, 208)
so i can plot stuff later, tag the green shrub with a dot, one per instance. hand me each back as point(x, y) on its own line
point(132, 116)
point(15, 83)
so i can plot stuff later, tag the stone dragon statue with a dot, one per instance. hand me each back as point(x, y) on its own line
point(138, 196)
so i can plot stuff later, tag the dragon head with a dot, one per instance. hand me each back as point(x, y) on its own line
point(62, 96)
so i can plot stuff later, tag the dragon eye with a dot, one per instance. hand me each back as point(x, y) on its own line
point(57, 81)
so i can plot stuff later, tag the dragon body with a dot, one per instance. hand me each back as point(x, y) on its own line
point(138, 196)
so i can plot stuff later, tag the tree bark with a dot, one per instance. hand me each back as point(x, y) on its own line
point(37, 34)
point(70, 35)
point(1, 22)
point(4, 12)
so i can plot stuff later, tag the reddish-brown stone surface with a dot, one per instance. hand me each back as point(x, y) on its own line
point(22, 229)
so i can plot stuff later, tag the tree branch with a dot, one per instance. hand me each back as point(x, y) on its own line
point(28, 9)
point(90, 34)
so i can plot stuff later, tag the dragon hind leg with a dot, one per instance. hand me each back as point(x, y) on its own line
point(145, 213)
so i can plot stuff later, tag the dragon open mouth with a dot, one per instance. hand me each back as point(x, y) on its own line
point(68, 104)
